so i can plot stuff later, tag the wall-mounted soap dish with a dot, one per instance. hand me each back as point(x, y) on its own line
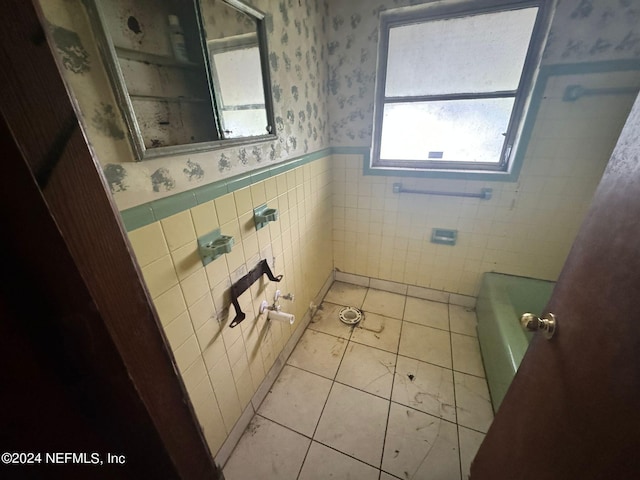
point(212, 245)
point(263, 215)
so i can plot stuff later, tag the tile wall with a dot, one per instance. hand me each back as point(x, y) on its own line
point(222, 368)
point(527, 228)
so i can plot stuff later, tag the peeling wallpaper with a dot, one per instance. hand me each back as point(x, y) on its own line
point(296, 42)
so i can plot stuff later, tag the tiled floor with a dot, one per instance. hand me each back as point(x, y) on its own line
point(401, 395)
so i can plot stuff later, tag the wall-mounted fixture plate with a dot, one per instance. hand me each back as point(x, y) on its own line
point(212, 245)
point(263, 215)
point(444, 236)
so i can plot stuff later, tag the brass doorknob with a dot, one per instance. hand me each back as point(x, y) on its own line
point(547, 324)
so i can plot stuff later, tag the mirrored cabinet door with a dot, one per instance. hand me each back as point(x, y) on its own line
point(188, 75)
point(234, 57)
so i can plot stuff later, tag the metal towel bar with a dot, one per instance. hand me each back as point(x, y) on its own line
point(574, 92)
point(485, 193)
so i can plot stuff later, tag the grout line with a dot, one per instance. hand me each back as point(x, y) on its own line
point(473, 429)
point(459, 450)
point(393, 381)
point(438, 328)
point(364, 391)
point(345, 454)
point(308, 371)
point(455, 399)
point(281, 425)
point(325, 402)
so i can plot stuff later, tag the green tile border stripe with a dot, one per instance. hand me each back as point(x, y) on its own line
point(151, 212)
point(546, 71)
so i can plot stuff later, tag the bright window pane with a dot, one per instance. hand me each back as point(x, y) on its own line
point(477, 53)
point(454, 130)
point(240, 76)
point(240, 85)
point(244, 123)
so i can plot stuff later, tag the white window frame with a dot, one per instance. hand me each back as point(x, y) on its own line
point(396, 18)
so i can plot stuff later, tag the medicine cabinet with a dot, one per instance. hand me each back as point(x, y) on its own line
point(188, 75)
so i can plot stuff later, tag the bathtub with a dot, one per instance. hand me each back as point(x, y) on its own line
point(503, 342)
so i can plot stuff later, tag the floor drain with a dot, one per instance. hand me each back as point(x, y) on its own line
point(350, 315)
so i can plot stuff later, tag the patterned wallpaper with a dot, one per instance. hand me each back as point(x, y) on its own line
point(594, 30)
point(581, 31)
point(323, 58)
point(297, 45)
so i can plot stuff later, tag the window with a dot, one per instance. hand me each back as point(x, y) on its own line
point(452, 85)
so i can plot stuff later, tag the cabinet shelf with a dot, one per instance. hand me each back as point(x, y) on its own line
point(155, 98)
point(144, 57)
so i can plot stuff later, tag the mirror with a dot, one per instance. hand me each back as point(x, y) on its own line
point(188, 75)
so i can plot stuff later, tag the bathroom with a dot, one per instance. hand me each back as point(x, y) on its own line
point(335, 222)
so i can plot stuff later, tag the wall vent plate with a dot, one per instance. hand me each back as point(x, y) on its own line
point(444, 236)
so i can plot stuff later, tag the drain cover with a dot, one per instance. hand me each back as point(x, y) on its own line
point(350, 315)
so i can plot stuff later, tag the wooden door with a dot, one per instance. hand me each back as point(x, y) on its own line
point(573, 410)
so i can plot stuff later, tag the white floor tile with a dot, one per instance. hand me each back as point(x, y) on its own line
point(425, 387)
point(323, 462)
point(326, 320)
point(463, 320)
point(420, 446)
point(425, 343)
point(378, 331)
point(353, 422)
point(386, 476)
point(367, 368)
point(296, 400)
point(470, 441)
point(318, 353)
point(466, 355)
point(267, 451)
point(384, 303)
point(473, 404)
point(337, 384)
point(425, 312)
point(346, 294)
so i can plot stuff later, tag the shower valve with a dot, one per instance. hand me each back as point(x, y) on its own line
point(278, 295)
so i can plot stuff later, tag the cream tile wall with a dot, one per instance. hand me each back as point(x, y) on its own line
point(527, 228)
point(223, 367)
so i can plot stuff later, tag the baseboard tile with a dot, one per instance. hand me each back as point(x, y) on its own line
point(234, 436)
point(387, 286)
point(351, 278)
point(409, 290)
